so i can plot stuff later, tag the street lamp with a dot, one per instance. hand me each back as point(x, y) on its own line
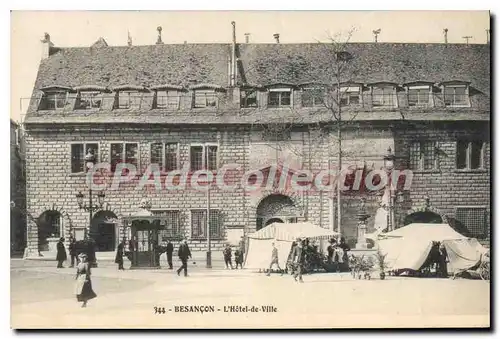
point(91, 207)
point(389, 166)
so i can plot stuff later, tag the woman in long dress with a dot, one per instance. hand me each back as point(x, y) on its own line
point(83, 288)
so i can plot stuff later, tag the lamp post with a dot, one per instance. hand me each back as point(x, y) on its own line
point(209, 183)
point(394, 195)
point(91, 207)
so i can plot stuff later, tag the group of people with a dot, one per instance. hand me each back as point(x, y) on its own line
point(86, 246)
point(227, 253)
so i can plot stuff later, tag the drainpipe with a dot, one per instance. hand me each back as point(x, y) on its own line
point(233, 56)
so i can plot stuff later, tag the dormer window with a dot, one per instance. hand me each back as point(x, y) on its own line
point(279, 97)
point(456, 95)
point(313, 96)
point(54, 98)
point(350, 95)
point(384, 96)
point(88, 100)
point(128, 96)
point(248, 98)
point(167, 99)
point(419, 96)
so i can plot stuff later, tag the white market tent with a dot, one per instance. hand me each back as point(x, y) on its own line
point(259, 248)
point(408, 247)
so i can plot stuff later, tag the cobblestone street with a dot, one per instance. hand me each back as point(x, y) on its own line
point(42, 296)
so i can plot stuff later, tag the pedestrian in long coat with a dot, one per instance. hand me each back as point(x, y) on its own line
point(72, 250)
point(184, 253)
point(61, 253)
point(170, 251)
point(119, 255)
point(83, 286)
point(298, 260)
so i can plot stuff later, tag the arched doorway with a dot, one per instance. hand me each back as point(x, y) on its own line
point(103, 231)
point(273, 220)
point(424, 217)
point(276, 208)
point(49, 226)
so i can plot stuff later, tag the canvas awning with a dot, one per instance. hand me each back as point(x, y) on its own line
point(292, 231)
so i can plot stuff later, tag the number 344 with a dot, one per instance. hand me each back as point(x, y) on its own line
point(159, 310)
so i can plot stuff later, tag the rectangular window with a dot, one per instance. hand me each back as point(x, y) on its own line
point(165, 155)
point(204, 98)
point(53, 100)
point(383, 97)
point(88, 100)
point(455, 96)
point(167, 99)
point(201, 155)
point(279, 97)
point(313, 97)
point(78, 152)
point(248, 98)
point(418, 96)
point(172, 225)
point(423, 155)
point(470, 154)
point(128, 99)
point(124, 153)
point(199, 224)
point(349, 96)
point(474, 219)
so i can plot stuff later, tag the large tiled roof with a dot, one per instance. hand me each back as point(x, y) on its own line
point(371, 62)
point(261, 64)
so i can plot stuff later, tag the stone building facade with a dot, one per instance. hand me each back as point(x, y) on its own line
point(257, 106)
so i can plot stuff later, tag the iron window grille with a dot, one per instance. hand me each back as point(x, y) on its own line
point(199, 224)
point(474, 219)
point(423, 155)
point(172, 226)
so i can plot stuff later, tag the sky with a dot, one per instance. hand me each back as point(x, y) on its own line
point(83, 28)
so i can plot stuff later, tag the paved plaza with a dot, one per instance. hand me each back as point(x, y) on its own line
point(42, 296)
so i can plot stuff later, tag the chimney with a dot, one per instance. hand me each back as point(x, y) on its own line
point(129, 39)
point(46, 45)
point(376, 33)
point(232, 75)
point(445, 31)
point(247, 38)
point(467, 37)
point(158, 41)
point(276, 37)
point(487, 36)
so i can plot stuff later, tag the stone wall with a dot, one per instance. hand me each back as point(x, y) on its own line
point(50, 184)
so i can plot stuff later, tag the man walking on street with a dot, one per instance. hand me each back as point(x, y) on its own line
point(298, 260)
point(227, 256)
point(170, 250)
point(274, 261)
point(119, 254)
point(72, 250)
point(61, 253)
point(184, 253)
